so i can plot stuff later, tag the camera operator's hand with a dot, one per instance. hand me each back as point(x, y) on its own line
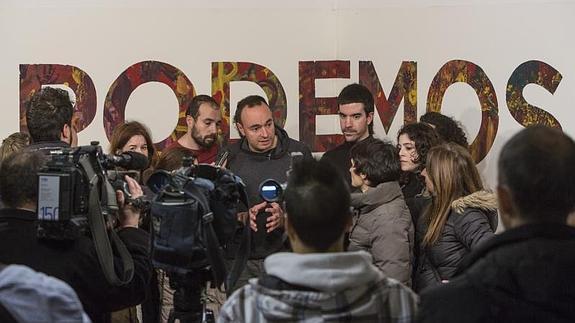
point(129, 216)
point(274, 220)
point(242, 217)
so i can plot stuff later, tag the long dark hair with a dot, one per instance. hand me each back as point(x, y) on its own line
point(453, 174)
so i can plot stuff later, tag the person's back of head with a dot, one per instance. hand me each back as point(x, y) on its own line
point(536, 180)
point(30, 296)
point(13, 143)
point(447, 128)
point(377, 160)
point(18, 179)
point(317, 203)
point(49, 110)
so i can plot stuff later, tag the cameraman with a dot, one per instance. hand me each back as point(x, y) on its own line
point(74, 262)
point(49, 120)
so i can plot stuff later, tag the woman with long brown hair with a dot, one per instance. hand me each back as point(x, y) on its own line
point(132, 136)
point(461, 214)
point(135, 136)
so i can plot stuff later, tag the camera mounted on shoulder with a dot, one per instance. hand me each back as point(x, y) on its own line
point(75, 199)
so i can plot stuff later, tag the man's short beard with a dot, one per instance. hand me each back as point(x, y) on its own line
point(201, 141)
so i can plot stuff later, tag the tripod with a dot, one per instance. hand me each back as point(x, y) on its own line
point(188, 304)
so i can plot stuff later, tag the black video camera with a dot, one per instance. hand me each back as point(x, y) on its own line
point(65, 184)
point(75, 198)
point(193, 213)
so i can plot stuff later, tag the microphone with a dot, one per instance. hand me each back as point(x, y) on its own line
point(129, 160)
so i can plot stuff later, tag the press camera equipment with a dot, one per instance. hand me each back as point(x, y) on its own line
point(118, 182)
point(75, 198)
point(193, 214)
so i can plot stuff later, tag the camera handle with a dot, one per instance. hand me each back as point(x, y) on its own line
point(103, 241)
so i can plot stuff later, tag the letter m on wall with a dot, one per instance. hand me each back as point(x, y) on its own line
point(404, 88)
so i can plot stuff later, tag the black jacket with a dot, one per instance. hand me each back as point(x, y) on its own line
point(253, 168)
point(471, 221)
point(523, 275)
point(76, 263)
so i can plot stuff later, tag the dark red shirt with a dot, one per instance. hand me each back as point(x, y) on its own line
point(204, 156)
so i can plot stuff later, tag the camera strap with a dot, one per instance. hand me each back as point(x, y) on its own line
point(103, 238)
point(240, 260)
point(213, 250)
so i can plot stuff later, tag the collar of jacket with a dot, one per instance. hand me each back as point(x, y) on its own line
point(553, 231)
point(278, 152)
point(325, 272)
point(376, 196)
point(18, 214)
point(483, 200)
point(46, 146)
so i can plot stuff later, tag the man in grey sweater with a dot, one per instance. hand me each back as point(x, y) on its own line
point(319, 282)
point(264, 152)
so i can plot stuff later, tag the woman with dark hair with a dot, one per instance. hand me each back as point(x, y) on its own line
point(414, 140)
point(461, 214)
point(447, 128)
point(382, 224)
point(170, 159)
point(132, 136)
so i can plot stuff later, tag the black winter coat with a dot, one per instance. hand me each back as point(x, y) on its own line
point(76, 263)
point(522, 275)
point(472, 220)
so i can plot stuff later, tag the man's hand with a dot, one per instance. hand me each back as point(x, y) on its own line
point(242, 217)
point(129, 216)
point(274, 220)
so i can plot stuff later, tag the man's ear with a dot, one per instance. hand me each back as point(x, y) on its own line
point(66, 134)
point(349, 222)
point(369, 118)
point(240, 129)
point(190, 121)
point(506, 207)
point(288, 228)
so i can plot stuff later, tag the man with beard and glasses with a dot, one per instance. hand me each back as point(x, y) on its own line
point(355, 111)
point(204, 120)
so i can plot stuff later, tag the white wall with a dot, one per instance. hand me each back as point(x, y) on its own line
point(104, 37)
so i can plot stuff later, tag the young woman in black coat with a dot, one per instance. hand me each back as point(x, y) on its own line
point(460, 216)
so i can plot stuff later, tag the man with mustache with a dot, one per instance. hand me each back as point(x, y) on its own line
point(204, 120)
point(356, 121)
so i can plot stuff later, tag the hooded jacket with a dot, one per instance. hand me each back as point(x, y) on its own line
point(255, 167)
point(76, 262)
point(471, 221)
point(29, 296)
point(321, 287)
point(522, 275)
point(383, 227)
